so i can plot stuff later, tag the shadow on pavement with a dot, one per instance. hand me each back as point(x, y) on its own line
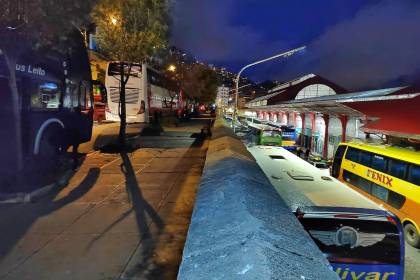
point(140, 206)
point(17, 220)
point(159, 254)
point(36, 175)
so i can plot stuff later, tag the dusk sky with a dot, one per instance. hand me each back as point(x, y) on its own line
point(358, 44)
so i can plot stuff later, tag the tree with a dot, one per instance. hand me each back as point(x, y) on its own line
point(37, 23)
point(130, 31)
point(198, 82)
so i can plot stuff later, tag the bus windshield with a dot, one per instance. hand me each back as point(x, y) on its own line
point(355, 241)
point(114, 69)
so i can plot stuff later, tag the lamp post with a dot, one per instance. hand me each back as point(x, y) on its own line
point(285, 54)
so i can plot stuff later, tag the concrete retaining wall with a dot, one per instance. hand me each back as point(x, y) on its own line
point(241, 228)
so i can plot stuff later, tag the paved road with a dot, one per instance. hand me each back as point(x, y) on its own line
point(121, 216)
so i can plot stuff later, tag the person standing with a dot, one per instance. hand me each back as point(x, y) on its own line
point(307, 152)
point(298, 151)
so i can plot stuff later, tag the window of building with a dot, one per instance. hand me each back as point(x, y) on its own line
point(45, 95)
point(397, 168)
point(414, 174)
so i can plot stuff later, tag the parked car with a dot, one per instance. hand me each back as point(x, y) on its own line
point(322, 166)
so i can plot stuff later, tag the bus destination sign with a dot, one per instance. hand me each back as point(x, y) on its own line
point(38, 71)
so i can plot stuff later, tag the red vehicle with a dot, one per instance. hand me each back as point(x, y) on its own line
point(99, 101)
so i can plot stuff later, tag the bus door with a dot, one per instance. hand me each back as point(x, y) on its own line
point(338, 158)
point(358, 245)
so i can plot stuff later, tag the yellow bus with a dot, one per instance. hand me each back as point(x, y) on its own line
point(388, 175)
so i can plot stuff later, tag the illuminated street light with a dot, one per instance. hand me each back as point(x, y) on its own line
point(285, 54)
point(114, 20)
point(172, 68)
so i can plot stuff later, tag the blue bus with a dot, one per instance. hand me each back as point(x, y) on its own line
point(288, 134)
point(360, 239)
point(55, 105)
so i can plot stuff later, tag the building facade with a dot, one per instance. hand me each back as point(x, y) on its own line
point(324, 114)
point(222, 97)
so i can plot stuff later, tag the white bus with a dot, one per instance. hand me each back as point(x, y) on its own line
point(146, 92)
point(361, 239)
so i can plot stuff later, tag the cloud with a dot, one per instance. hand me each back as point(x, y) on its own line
point(204, 29)
point(378, 46)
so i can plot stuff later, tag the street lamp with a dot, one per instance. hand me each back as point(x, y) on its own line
point(285, 54)
point(172, 68)
point(114, 20)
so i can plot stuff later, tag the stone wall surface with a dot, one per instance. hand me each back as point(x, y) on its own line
point(241, 228)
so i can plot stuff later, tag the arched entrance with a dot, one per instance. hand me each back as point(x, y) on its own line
point(284, 119)
point(298, 129)
point(318, 136)
point(334, 135)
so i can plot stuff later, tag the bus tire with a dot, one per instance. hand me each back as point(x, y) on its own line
point(411, 235)
point(50, 148)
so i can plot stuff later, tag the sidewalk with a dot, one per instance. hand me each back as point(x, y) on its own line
point(121, 216)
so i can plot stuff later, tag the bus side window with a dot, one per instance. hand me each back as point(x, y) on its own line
point(392, 198)
point(45, 95)
point(365, 158)
point(414, 174)
point(379, 163)
point(380, 192)
point(397, 168)
point(395, 199)
point(85, 96)
point(338, 158)
point(358, 181)
point(340, 152)
point(352, 154)
point(74, 95)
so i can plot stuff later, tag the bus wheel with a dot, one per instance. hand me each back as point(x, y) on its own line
point(50, 148)
point(411, 235)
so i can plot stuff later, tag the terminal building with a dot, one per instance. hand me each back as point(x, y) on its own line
point(325, 114)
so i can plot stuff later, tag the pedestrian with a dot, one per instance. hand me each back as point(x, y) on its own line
point(298, 151)
point(307, 152)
